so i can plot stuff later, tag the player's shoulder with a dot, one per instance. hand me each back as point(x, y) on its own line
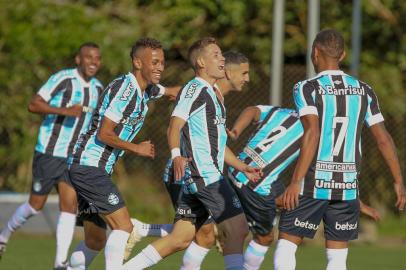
point(68, 73)
point(310, 83)
point(287, 111)
point(97, 83)
point(193, 87)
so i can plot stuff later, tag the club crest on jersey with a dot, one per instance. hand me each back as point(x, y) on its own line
point(37, 186)
point(113, 199)
point(127, 92)
point(132, 121)
point(219, 120)
point(191, 90)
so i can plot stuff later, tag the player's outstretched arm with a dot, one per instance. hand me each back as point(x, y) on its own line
point(248, 115)
point(369, 211)
point(253, 174)
point(107, 136)
point(388, 150)
point(173, 133)
point(308, 147)
point(40, 106)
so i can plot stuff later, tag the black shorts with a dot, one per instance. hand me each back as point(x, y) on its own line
point(259, 210)
point(217, 200)
point(47, 171)
point(96, 192)
point(341, 219)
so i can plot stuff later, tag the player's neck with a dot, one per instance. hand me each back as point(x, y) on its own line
point(207, 78)
point(328, 66)
point(224, 86)
point(140, 80)
point(81, 74)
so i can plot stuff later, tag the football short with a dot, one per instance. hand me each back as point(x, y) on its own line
point(217, 200)
point(340, 218)
point(95, 190)
point(47, 171)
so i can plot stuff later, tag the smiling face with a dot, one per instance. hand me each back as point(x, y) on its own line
point(238, 75)
point(152, 64)
point(212, 61)
point(88, 62)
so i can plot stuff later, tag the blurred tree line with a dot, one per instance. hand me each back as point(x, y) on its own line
point(40, 37)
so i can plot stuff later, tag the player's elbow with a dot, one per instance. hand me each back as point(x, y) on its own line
point(384, 142)
point(32, 107)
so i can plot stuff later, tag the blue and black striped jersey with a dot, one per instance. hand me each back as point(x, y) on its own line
point(273, 146)
point(58, 134)
point(203, 137)
point(343, 104)
point(124, 103)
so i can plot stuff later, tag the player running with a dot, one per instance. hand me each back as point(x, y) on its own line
point(67, 100)
point(118, 118)
point(333, 107)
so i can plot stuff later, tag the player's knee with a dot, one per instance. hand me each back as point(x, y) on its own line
point(37, 203)
point(264, 240)
point(205, 237)
point(97, 242)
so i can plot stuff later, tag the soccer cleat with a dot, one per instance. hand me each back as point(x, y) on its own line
point(134, 238)
point(2, 248)
point(64, 266)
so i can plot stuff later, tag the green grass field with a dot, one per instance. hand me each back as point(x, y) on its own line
point(26, 252)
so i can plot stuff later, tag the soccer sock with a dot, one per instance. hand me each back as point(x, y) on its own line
point(254, 255)
point(64, 234)
point(157, 230)
point(336, 259)
point(193, 257)
point(114, 250)
point(149, 256)
point(82, 257)
point(234, 262)
point(20, 216)
point(284, 257)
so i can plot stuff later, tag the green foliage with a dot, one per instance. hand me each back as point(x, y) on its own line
point(40, 37)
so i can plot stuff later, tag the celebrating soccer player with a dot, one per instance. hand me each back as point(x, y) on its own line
point(333, 107)
point(67, 100)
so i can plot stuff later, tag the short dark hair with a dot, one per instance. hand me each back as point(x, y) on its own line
point(235, 58)
point(197, 47)
point(331, 42)
point(87, 44)
point(145, 43)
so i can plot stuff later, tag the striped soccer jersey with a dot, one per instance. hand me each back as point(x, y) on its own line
point(58, 134)
point(273, 146)
point(203, 137)
point(124, 103)
point(342, 103)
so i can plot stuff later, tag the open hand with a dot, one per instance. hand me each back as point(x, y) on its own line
point(290, 198)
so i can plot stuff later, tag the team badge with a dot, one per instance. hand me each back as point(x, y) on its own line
point(37, 186)
point(113, 199)
point(236, 202)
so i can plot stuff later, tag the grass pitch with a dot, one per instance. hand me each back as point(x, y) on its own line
point(29, 252)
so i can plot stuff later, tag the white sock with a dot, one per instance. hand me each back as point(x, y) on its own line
point(234, 262)
point(193, 257)
point(284, 257)
point(114, 250)
point(254, 255)
point(149, 256)
point(157, 230)
point(82, 257)
point(336, 259)
point(20, 216)
point(64, 234)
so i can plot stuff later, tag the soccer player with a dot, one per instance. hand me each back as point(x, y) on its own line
point(67, 101)
point(333, 107)
point(197, 127)
point(118, 118)
point(273, 146)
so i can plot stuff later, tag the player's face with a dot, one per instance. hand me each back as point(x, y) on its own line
point(88, 61)
point(153, 64)
point(214, 61)
point(238, 75)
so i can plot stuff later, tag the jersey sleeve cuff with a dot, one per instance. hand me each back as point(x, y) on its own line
point(45, 95)
point(375, 119)
point(162, 90)
point(112, 116)
point(308, 110)
point(181, 115)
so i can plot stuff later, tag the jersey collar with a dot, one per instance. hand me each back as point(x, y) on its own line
point(203, 81)
point(80, 78)
point(135, 82)
point(331, 72)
